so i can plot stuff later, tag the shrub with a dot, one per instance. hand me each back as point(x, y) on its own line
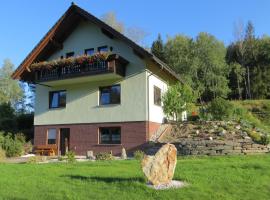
point(71, 156)
point(239, 113)
point(2, 155)
point(138, 155)
point(61, 158)
point(220, 109)
point(177, 99)
point(104, 156)
point(204, 114)
point(12, 146)
point(265, 140)
point(36, 159)
point(28, 147)
point(256, 137)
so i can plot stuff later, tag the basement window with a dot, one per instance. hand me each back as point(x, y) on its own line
point(57, 99)
point(110, 135)
point(52, 136)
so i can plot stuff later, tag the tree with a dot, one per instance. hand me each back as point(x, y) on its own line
point(212, 70)
point(249, 58)
point(179, 55)
point(111, 19)
point(10, 90)
point(249, 44)
point(201, 63)
point(136, 34)
point(26, 103)
point(158, 48)
point(237, 74)
point(177, 99)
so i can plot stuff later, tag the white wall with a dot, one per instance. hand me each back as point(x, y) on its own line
point(155, 112)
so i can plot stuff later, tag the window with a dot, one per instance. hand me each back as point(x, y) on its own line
point(110, 135)
point(52, 136)
point(110, 95)
point(103, 49)
point(57, 99)
point(157, 96)
point(89, 52)
point(69, 54)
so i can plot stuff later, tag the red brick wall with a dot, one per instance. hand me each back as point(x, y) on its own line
point(84, 137)
point(152, 128)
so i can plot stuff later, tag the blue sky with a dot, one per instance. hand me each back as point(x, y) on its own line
point(23, 23)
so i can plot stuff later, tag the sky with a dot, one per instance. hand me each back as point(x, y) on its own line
point(24, 22)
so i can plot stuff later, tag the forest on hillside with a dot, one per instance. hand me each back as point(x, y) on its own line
point(240, 70)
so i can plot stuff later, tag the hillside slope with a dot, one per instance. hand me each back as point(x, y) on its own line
point(258, 112)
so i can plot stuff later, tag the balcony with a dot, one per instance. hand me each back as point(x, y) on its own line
point(76, 67)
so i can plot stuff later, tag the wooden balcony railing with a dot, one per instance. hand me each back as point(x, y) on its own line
point(115, 64)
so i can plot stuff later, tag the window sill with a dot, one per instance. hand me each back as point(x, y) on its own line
point(108, 105)
point(109, 144)
point(58, 108)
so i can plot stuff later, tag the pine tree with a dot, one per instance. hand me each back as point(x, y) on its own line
point(158, 48)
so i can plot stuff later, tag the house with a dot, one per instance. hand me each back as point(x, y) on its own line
point(95, 88)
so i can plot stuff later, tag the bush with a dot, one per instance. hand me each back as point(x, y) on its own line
point(71, 156)
point(36, 159)
point(204, 114)
point(28, 147)
point(61, 158)
point(104, 156)
point(220, 109)
point(2, 155)
point(138, 155)
point(239, 113)
point(12, 146)
point(256, 137)
point(177, 99)
point(265, 140)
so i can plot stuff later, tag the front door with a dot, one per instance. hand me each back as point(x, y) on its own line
point(64, 140)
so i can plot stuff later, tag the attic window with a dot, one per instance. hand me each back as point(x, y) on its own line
point(103, 49)
point(89, 52)
point(69, 54)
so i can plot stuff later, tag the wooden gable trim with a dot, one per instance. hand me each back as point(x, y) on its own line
point(77, 12)
point(39, 47)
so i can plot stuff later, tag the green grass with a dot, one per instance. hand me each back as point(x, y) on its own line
point(237, 177)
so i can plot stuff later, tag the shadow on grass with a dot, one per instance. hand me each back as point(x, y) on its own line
point(106, 179)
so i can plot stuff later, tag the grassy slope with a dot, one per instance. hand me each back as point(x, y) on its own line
point(242, 177)
point(259, 112)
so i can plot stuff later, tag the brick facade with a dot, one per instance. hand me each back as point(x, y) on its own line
point(84, 137)
point(152, 128)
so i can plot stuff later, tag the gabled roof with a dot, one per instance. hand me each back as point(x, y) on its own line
point(55, 37)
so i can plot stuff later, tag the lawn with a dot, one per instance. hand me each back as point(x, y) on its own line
point(235, 177)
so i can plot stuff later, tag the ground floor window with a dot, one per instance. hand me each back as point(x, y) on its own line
point(110, 135)
point(52, 136)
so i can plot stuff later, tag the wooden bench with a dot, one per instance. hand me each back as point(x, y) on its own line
point(48, 150)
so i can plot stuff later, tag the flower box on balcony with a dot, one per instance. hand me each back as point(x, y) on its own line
point(79, 66)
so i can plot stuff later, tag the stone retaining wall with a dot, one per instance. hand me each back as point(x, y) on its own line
point(213, 147)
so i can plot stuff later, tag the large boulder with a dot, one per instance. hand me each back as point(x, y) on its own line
point(159, 169)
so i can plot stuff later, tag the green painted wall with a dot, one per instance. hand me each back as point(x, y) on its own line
point(82, 98)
